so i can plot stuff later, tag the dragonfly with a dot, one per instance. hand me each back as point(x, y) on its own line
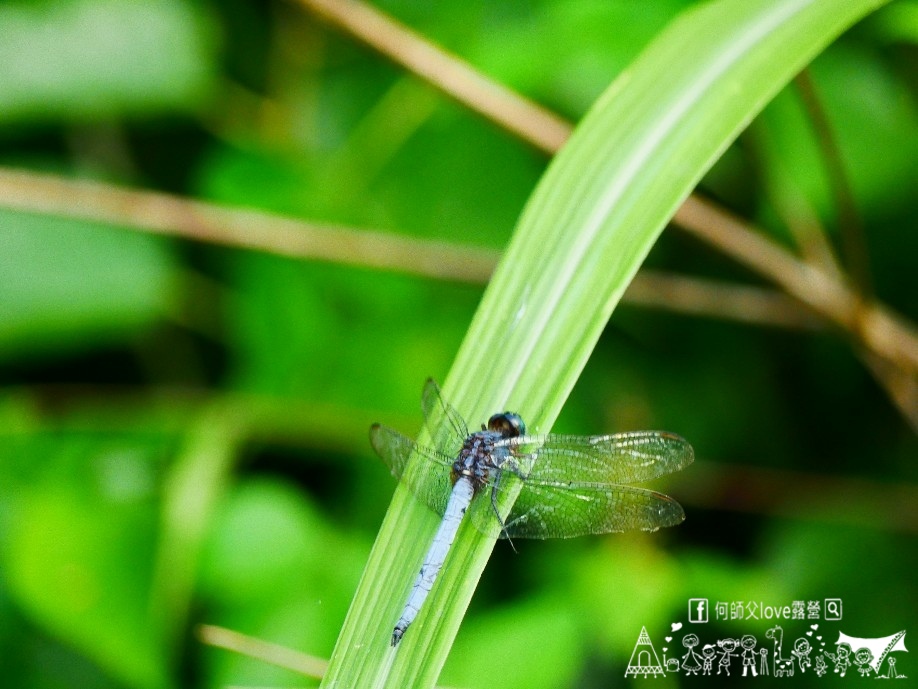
point(571, 485)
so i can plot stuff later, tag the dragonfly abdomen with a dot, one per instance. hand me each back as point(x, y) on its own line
point(459, 500)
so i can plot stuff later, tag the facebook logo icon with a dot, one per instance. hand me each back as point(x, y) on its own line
point(698, 610)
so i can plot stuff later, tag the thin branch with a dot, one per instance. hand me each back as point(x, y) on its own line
point(261, 231)
point(801, 220)
point(265, 651)
point(874, 326)
point(718, 299)
point(793, 207)
point(249, 229)
point(854, 241)
point(877, 328)
point(453, 76)
point(902, 390)
point(273, 654)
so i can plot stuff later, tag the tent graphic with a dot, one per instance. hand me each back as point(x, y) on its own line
point(644, 660)
point(879, 647)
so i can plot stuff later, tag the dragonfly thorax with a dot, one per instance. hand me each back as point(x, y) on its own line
point(479, 455)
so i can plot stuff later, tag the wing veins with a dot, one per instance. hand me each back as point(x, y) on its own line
point(541, 512)
point(610, 459)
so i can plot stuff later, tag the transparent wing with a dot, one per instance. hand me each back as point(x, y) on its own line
point(547, 511)
point(602, 459)
point(572, 484)
point(429, 481)
point(436, 409)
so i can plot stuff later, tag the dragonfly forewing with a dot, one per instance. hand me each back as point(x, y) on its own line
point(436, 409)
point(620, 458)
point(429, 480)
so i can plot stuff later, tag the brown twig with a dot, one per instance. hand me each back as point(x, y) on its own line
point(238, 227)
point(274, 654)
point(875, 327)
point(902, 390)
point(851, 227)
point(460, 80)
point(715, 299)
point(261, 231)
point(793, 206)
point(878, 329)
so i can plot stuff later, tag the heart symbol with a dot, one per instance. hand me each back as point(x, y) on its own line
point(820, 638)
point(668, 638)
point(665, 649)
point(809, 633)
point(814, 626)
point(676, 626)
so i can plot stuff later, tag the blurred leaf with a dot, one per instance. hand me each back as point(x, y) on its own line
point(456, 178)
point(871, 571)
point(68, 285)
point(267, 571)
point(591, 42)
point(84, 59)
point(289, 315)
point(190, 492)
point(858, 95)
point(532, 643)
point(78, 550)
point(898, 22)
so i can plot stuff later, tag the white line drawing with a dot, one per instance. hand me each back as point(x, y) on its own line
point(866, 655)
point(819, 665)
point(841, 658)
point(690, 660)
point(801, 652)
point(763, 665)
point(879, 647)
point(749, 654)
point(862, 659)
point(644, 660)
point(707, 658)
point(833, 609)
point(783, 666)
point(891, 671)
point(728, 651)
point(670, 664)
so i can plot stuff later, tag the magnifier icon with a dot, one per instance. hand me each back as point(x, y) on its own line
point(833, 608)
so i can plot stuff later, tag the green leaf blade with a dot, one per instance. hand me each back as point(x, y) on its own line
point(590, 223)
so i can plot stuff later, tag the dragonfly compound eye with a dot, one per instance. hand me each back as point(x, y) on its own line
point(508, 424)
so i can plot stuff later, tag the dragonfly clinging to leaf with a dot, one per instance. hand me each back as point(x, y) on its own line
point(571, 485)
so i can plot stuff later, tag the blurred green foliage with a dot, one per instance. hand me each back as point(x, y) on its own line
point(183, 426)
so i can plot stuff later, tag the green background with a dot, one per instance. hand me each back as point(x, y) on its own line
point(183, 427)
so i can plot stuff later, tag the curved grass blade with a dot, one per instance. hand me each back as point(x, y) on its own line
point(585, 231)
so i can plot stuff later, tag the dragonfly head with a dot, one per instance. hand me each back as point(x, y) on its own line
point(508, 424)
